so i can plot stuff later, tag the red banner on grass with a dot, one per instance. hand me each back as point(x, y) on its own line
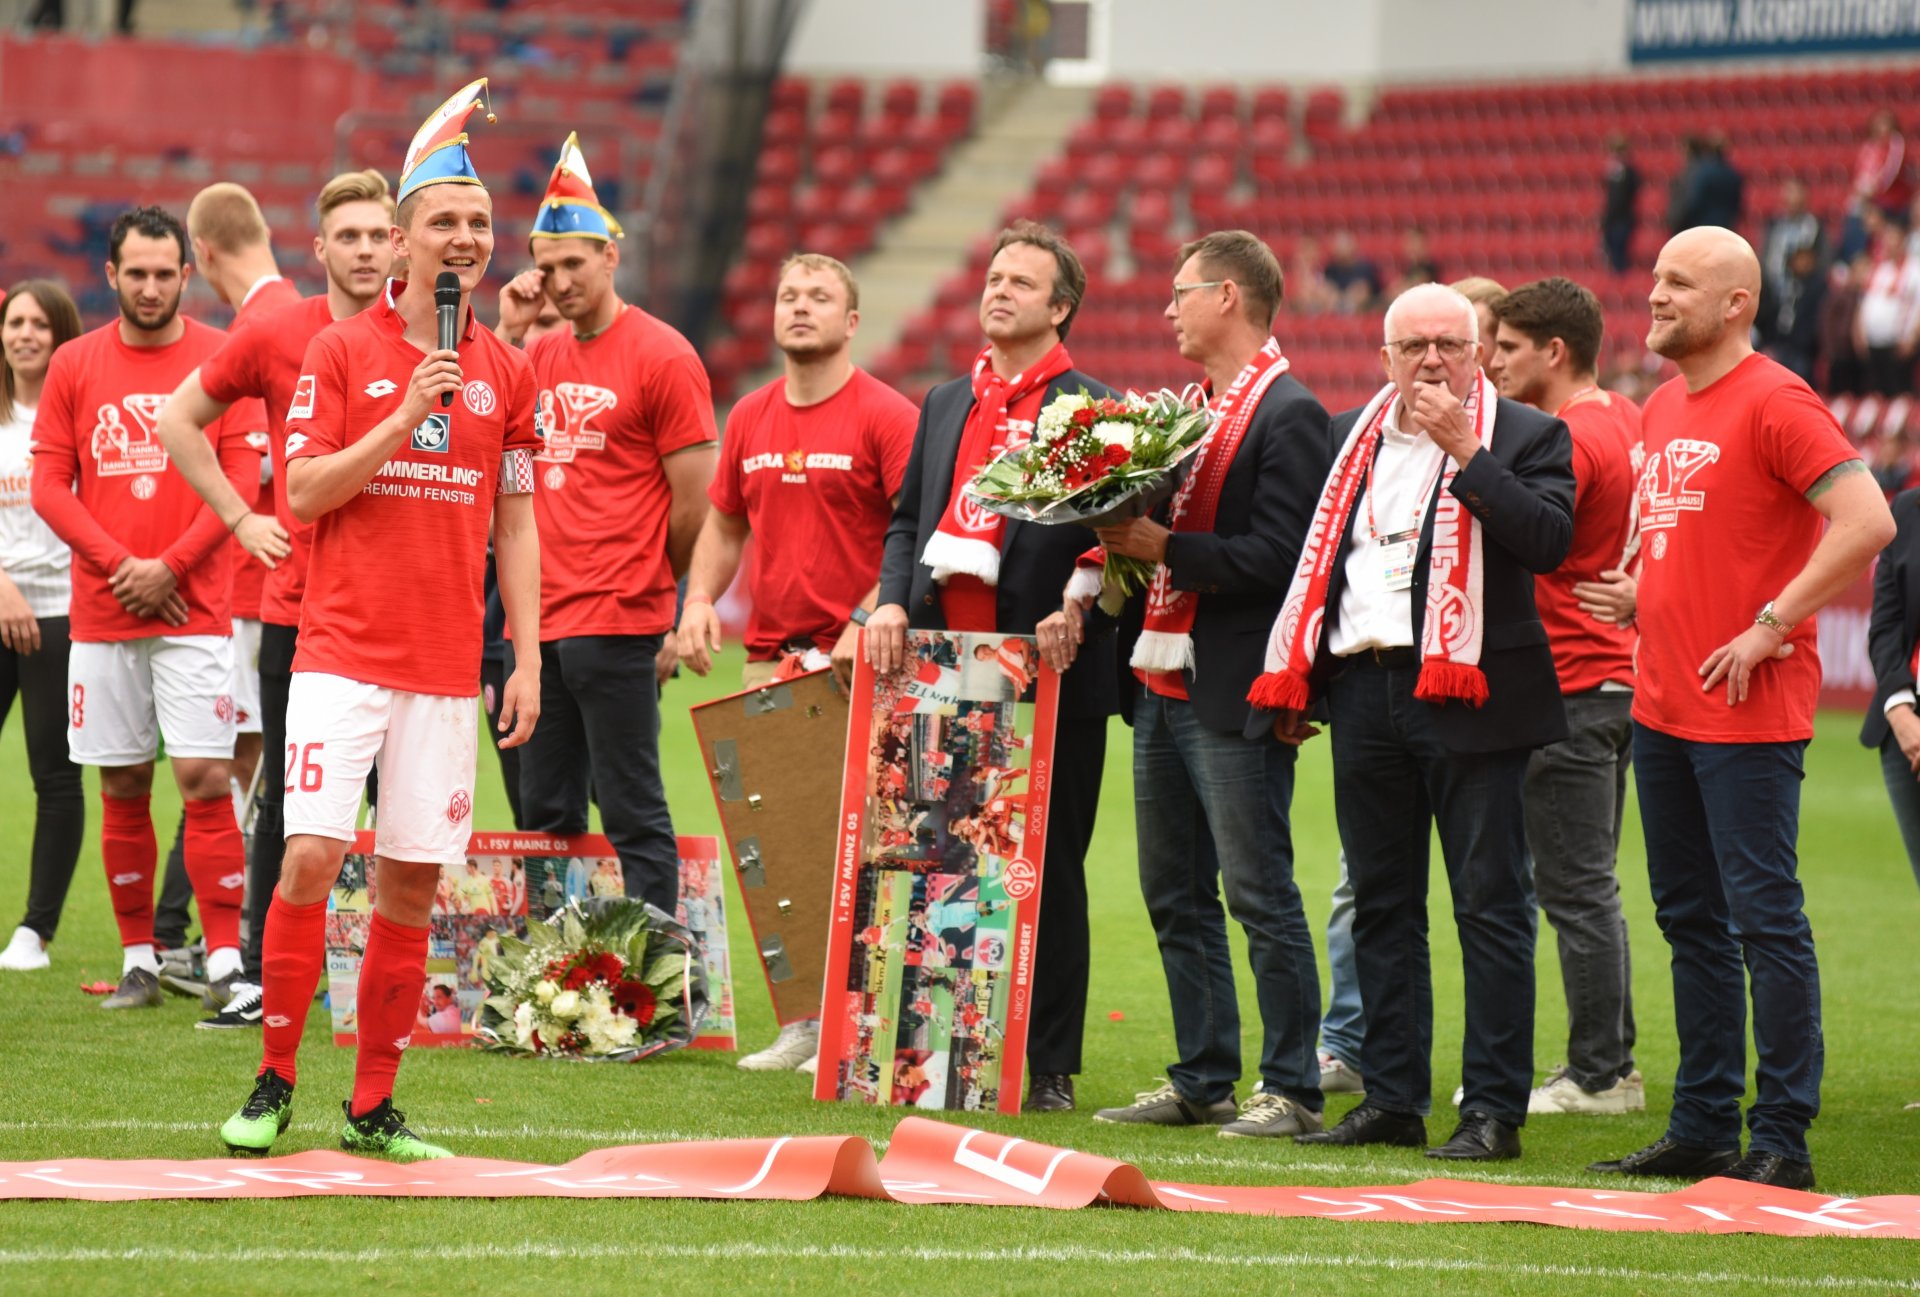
point(933, 1162)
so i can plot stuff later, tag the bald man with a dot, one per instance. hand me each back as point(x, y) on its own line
point(1744, 467)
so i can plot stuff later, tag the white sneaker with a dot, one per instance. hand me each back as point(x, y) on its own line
point(796, 1043)
point(1337, 1078)
point(811, 1066)
point(1561, 1093)
point(24, 954)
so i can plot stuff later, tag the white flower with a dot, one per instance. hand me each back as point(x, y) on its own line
point(1055, 422)
point(523, 1026)
point(606, 1030)
point(546, 990)
point(566, 1006)
point(1112, 432)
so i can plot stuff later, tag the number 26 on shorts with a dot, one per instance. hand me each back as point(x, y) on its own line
point(305, 760)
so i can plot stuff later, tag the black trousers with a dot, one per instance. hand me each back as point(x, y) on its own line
point(60, 807)
point(599, 732)
point(269, 843)
point(1061, 949)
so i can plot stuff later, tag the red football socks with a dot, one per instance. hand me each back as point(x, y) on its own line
point(217, 864)
point(131, 857)
point(393, 974)
point(293, 950)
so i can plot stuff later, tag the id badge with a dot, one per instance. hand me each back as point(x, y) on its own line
point(1396, 558)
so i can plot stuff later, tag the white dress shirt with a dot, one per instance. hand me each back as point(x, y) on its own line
point(1404, 474)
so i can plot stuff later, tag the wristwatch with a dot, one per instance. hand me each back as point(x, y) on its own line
point(1765, 617)
point(858, 616)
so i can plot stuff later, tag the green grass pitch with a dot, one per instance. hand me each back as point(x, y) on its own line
point(79, 1083)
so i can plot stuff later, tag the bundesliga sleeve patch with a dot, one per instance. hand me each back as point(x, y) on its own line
point(516, 473)
point(301, 407)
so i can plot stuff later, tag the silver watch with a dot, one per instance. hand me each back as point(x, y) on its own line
point(1765, 617)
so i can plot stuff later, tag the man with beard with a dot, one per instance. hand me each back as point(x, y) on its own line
point(950, 566)
point(1745, 471)
point(262, 359)
point(153, 648)
point(629, 452)
point(811, 467)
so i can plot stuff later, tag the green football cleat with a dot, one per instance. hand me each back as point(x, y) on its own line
point(262, 1117)
point(384, 1132)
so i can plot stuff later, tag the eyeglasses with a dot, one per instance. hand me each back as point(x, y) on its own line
point(1415, 349)
point(1178, 289)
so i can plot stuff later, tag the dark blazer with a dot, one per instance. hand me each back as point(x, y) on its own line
point(1242, 567)
point(1522, 492)
point(1036, 560)
point(1894, 626)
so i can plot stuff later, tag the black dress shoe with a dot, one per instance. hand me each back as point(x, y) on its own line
point(1480, 1138)
point(1773, 1169)
point(1670, 1157)
point(1370, 1125)
point(1049, 1092)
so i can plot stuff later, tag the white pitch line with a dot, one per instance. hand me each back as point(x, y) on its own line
point(460, 1131)
point(1072, 1254)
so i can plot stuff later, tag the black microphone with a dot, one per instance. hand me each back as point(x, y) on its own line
point(446, 305)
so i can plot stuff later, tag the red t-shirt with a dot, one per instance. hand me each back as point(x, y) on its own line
point(249, 574)
point(264, 360)
point(1606, 464)
point(612, 408)
point(394, 587)
point(816, 486)
point(1724, 525)
point(95, 428)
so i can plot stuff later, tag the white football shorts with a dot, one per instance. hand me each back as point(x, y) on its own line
point(124, 697)
point(337, 729)
point(246, 675)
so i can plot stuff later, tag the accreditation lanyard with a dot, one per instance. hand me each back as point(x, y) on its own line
point(1398, 549)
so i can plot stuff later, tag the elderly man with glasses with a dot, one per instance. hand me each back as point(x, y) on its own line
point(1411, 616)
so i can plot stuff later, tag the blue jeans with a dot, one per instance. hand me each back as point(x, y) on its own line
point(1722, 822)
point(1393, 782)
point(1345, 1022)
point(1212, 815)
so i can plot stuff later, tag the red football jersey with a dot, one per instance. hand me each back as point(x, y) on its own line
point(102, 481)
point(394, 588)
point(612, 408)
point(1724, 525)
point(815, 484)
point(249, 573)
point(1606, 464)
point(264, 360)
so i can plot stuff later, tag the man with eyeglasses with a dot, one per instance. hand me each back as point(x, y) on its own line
point(1212, 802)
point(1411, 615)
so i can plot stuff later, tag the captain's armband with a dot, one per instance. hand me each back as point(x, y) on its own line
point(516, 473)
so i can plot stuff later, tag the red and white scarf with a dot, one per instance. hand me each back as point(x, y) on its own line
point(968, 538)
point(1455, 620)
point(1166, 643)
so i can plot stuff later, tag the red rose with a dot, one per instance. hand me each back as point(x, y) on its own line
point(1083, 418)
point(636, 1000)
point(1115, 455)
point(578, 977)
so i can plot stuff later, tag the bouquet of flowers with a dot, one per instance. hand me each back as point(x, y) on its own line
point(1096, 461)
point(617, 980)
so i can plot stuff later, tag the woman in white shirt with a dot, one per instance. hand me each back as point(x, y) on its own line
point(36, 317)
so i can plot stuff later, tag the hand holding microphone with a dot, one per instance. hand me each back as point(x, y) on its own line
point(446, 306)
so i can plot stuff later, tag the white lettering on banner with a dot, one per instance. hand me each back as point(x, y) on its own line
point(996, 1168)
point(1023, 966)
point(849, 861)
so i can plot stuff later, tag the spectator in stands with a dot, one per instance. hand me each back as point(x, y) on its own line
point(1790, 312)
point(630, 449)
point(37, 318)
point(1618, 210)
point(1427, 728)
point(1308, 291)
point(1417, 264)
point(1792, 229)
point(1213, 803)
point(1549, 337)
point(1893, 632)
point(1846, 365)
point(1708, 190)
point(941, 573)
point(1881, 176)
point(1886, 328)
point(1353, 277)
point(814, 571)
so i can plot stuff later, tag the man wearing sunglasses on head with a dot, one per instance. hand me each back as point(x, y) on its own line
point(1411, 616)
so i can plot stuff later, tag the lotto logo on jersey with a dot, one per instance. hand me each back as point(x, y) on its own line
point(380, 387)
point(301, 406)
point(566, 413)
point(124, 444)
point(434, 434)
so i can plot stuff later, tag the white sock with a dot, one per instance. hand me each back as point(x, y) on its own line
point(222, 962)
point(140, 956)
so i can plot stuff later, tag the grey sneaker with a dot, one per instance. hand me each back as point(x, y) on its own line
point(1166, 1106)
point(138, 989)
point(1337, 1077)
point(796, 1043)
point(1561, 1093)
point(244, 1009)
point(216, 994)
point(177, 979)
point(1270, 1115)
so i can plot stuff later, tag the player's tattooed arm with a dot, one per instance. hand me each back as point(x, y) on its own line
point(1824, 483)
